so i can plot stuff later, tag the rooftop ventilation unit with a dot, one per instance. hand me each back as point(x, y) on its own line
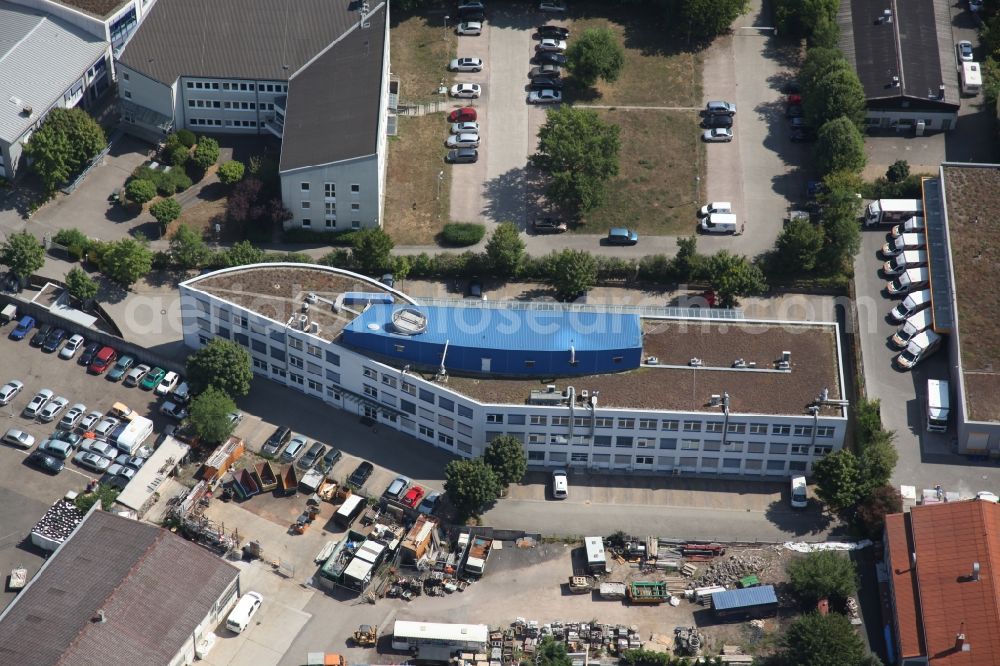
point(786, 361)
point(887, 16)
point(975, 572)
point(714, 400)
point(312, 298)
point(895, 81)
point(739, 363)
point(305, 306)
point(550, 388)
point(696, 362)
point(27, 110)
point(314, 327)
point(303, 322)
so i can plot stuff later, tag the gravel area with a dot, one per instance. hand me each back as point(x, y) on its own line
point(100, 8)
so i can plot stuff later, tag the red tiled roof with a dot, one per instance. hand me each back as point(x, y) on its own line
point(904, 586)
point(948, 539)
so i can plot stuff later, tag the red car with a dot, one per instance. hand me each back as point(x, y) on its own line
point(413, 496)
point(467, 114)
point(102, 360)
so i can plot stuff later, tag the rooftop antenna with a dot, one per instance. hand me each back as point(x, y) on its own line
point(975, 572)
point(442, 372)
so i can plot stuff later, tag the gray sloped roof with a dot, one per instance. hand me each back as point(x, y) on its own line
point(40, 58)
point(246, 39)
point(153, 587)
point(333, 103)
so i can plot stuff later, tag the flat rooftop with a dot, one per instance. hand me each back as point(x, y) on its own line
point(278, 292)
point(673, 385)
point(99, 8)
point(973, 202)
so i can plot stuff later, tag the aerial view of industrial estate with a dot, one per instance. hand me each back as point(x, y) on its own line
point(500, 333)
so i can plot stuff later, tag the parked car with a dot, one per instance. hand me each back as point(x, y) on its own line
point(73, 416)
point(18, 438)
point(462, 115)
point(234, 418)
point(152, 379)
point(90, 420)
point(549, 58)
point(544, 83)
point(45, 462)
point(277, 440)
point(560, 484)
point(466, 65)
point(91, 461)
point(547, 96)
point(467, 140)
point(52, 409)
point(88, 353)
point(173, 410)
point(397, 487)
point(38, 339)
point(102, 449)
point(462, 156)
point(552, 7)
point(124, 471)
point(468, 127)
point(72, 346)
point(294, 449)
point(720, 108)
point(57, 448)
point(10, 390)
point(556, 31)
point(964, 48)
point(312, 456)
point(429, 504)
point(41, 399)
point(135, 462)
point(548, 225)
point(715, 207)
point(712, 122)
point(470, 28)
point(66, 436)
point(120, 368)
point(360, 474)
point(102, 359)
point(475, 289)
point(794, 111)
point(717, 135)
point(471, 4)
point(136, 374)
point(105, 427)
point(167, 383)
point(471, 15)
point(551, 44)
point(53, 340)
point(466, 90)
point(413, 496)
point(545, 72)
point(25, 324)
point(182, 393)
point(622, 236)
point(331, 457)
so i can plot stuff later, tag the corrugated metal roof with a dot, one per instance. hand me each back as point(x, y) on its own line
point(507, 329)
point(936, 231)
point(909, 634)
point(745, 598)
point(40, 58)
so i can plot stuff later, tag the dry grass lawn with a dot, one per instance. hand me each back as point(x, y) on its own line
point(200, 217)
point(656, 191)
point(420, 50)
point(416, 203)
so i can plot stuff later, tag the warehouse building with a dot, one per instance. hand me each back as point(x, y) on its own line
point(437, 641)
point(666, 393)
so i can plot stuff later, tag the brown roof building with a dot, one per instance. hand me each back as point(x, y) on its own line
point(944, 573)
point(118, 593)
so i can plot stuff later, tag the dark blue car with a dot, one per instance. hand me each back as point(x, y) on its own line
point(26, 324)
point(53, 340)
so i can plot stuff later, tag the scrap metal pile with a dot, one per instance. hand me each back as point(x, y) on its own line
point(525, 636)
point(731, 570)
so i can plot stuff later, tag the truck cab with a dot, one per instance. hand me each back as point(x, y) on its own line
point(937, 405)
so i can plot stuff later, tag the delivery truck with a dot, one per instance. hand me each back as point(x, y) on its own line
point(892, 211)
point(920, 347)
point(972, 78)
point(937, 405)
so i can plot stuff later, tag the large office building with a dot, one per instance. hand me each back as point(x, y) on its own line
point(581, 385)
point(313, 73)
point(904, 55)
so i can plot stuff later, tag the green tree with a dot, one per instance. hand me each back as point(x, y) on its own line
point(799, 245)
point(81, 286)
point(843, 240)
point(878, 460)
point(505, 455)
point(873, 509)
point(187, 249)
point(868, 420)
point(472, 485)
point(898, 171)
point(595, 53)
point(705, 19)
point(67, 140)
point(126, 260)
point(573, 271)
point(372, 250)
point(645, 658)
point(688, 264)
point(817, 62)
point(580, 153)
point(823, 574)
point(505, 249)
point(178, 155)
point(733, 276)
point(837, 93)
point(823, 640)
point(222, 364)
point(838, 480)
point(802, 18)
point(242, 254)
point(23, 254)
point(140, 190)
point(206, 153)
point(209, 414)
point(551, 652)
point(231, 172)
point(839, 145)
point(104, 494)
point(165, 211)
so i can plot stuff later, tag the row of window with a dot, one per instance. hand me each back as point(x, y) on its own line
point(329, 189)
point(330, 223)
point(672, 425)
point(692, 463)
point(237, 86)
point(235, 106)
point(331, 207)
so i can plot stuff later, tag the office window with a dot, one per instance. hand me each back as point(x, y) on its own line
point(535, 419)
point(778, 448)
point(427, 396)
point(665, 461)
point(690, 445)
point(258, 346)
point(710, 463)
point(331, 208)
point(647, 424)
point(494, 418)
point(295, 361)
point(579, 457)
point(369, 372)
point(314, 351)
point(536, 438)
point(355, 206)
point(758, 428)
point(775, 465)
point(426, 432)
point(733, 447)
point(604, 422)
point(644, 460)
point(332, 358)
point(409, 388)
point(408, 407)
point(800, 449)
point(447, 440)
point(314, 385)
point(389, 381)
point(333, 376)
point(713, 445)
point(355, 188)
point(515, 419)
point(278, 354)
point(645, 442)
point(536, 456)
point(626, 424)
point(755, 447)
point(305, 205)
point(752, 464)
point(731, 463)
point(296, 378)
point(314, 369)
point(355, 224)
point(692, 426)
point(602, 440)
point(560, 420)
point(370, 391)
point(737, 428)
point(624, 442)
point(824, 431)
point(781, 430)
point(803, 431)
point(330, 190)
point(670, 424)
point(259, 364)
point(821, 451)
point(295, 343)
point(713, 426)
point(464, 412)
point(668, 443)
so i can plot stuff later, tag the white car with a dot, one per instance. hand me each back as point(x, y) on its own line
point(41, 398)
point(715, 207)
point(168, 383)
point(18, 438)
point(560, 484)
point(551, 44)
point(72, 417)
point(466, 65)
point(471, 28)
point(964, 48)
point(466, 90)
point(462, 141)
point(552, 7)
point(234, 418)
point(468, 127)
point(52, 409)
point(9, 390)
point(71, 347)
point(102, 449)
point(104, 429)
point(91, 461)
point(116, 469)
point(544, 97)
point(717, 135)
point(173, 410)
point(90, 420)
point(136, 374)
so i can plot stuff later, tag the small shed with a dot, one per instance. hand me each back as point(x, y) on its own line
point(747, 603)
point(225, 455)
point(418, 539)
point(597, 560)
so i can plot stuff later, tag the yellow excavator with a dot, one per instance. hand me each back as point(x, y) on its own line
point(366, 635)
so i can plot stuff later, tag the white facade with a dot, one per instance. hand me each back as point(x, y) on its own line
point(907, 120)
point(335, 197)
point(577, 437)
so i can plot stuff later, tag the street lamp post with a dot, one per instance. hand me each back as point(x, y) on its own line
point(440, 180)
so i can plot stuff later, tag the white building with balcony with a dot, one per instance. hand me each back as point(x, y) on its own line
point(583, 386)
point(314, 74)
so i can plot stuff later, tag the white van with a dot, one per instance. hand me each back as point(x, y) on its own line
point(915, 302)
point(911, 226)
point(799, 498)
point(560, 484)
point(719, 223)
point(915, 323)
point(921, 346)
point(912, 278)
point(715, 207)
point(903, 243)
point(901, 262)
point(243, 612)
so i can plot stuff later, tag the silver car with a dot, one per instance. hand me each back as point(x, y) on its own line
point(466, 65)
point(52, 409)
point(463, 141)
point(41, 398)
point(544, 97)
point(100, 448)
point(18, 438)
point(90, 420)
point(470, 28)
point(91, 461)
point(466, 90)
point(72, 417)
point(71, 347)
point(551, 44)
point(468, 127)
point(9, 390)
point(717, 135)
point(106, 427)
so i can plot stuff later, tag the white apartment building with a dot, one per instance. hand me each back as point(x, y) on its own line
point(774, 415)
